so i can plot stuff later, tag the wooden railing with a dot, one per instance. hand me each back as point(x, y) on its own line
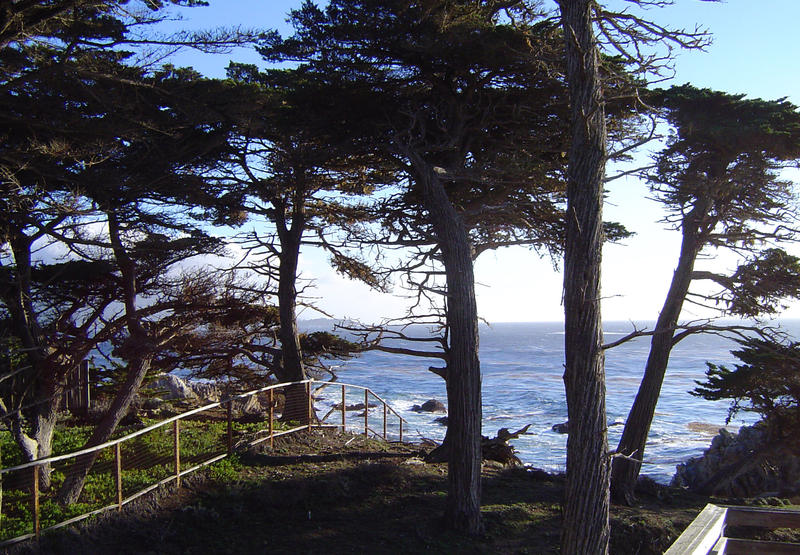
point(706, 534)
point(24, 479)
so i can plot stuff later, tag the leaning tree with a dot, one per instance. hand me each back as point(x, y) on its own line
point(719, 179)
point(150, 203)
point(63, 68)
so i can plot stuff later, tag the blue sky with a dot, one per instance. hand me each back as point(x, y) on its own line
point(754, 51)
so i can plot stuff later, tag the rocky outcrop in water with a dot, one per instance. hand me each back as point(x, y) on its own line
point(356, 406)
point(431, 405)
point(742, 465)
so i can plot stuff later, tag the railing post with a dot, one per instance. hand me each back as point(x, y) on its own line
point(118, 473)
point(344, 409)
point(36, 527)
point(229, 419)
point(366, 413)
point(271, 419)
point(310, 406)
point(38, 465)
point(177, 429)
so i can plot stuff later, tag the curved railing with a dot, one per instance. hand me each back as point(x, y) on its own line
point(137, 463)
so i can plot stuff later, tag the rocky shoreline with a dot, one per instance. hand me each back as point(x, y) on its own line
point(744, 464)
point(736, 464)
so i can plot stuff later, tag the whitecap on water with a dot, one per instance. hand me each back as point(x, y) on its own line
point(522, 384)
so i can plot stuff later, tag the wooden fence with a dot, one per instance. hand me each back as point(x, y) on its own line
point(706, 534)
point(78, 393)
point(26, 477)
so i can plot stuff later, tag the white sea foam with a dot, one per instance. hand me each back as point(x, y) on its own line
point(523, 385)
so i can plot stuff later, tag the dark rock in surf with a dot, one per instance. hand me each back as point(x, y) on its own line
point(563, 428)
point(431, 405)
point(357, 406)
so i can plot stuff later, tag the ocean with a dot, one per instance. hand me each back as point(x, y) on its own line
point(522, 368)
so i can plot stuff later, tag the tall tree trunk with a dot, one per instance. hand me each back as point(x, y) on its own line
point(586, 527)
point(637, 426)
point(291, 368)
point(43, 413)
point(463, 375)
point(44, 424)
point(38, 444)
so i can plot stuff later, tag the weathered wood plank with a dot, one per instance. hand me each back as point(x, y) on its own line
point(36, 521)
point(702, 534)
point(176, 428)
point(118, 473)
point(736, 546)
point(770, 518)
point(366, 412)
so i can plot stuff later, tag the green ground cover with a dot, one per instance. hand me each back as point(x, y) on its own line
point(327, 492)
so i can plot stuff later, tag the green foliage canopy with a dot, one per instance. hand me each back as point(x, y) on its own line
point(766, 381)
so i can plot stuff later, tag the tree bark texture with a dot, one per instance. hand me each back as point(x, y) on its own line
point(44, 424)
point(586, 526)
point(637, 426)
point(39, 443)
point(463, 378)
point(291, 368)
point(48, 376)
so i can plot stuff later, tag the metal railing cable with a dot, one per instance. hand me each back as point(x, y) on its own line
point(131, 466)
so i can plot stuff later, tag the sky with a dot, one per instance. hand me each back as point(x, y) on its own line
point(754, 52)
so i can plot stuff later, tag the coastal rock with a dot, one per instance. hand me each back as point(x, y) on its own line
point(710, 430)
point(741, 465)
point(249, 407)
point(357, 406)
point(563, 428)
point(172, 387)
point(207, 391)
point(442, 420)
point(431, 405)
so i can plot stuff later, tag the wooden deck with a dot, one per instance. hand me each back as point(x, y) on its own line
point(706, 534)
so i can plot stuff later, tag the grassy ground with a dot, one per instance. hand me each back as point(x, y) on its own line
point(330, 493)
point(146, 460)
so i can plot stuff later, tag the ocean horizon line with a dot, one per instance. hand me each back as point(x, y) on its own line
point(634, 321)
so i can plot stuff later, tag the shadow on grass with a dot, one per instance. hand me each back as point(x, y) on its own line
point(356, 503)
